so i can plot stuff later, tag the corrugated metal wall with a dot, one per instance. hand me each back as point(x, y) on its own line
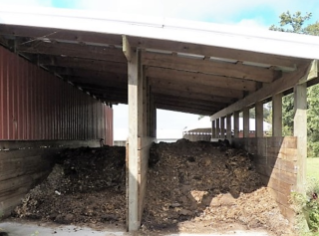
point(35, 105)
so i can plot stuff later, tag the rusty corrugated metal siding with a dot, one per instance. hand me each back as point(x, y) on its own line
point(35, 105)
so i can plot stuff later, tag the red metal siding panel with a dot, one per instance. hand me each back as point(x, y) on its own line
point(36, 105)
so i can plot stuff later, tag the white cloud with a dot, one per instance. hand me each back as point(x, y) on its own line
point(30, 3)
point(253, 24)
point(203, 10)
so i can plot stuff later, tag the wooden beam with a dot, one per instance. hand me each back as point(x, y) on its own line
point(277, 115)
point(259, 119)
point(239, 71)
point(162, 98)
point(60, 34)
point(209, 51)
point(300, 131)
point(99, 82)
point(286, 82)
point(190, 95)
point(229, 128)
point(312, 73)
point(191, 106)
point(199, 78)
point(196, 88)
point(236, 124)
point(89, 74)
point(126, 47)
point(74, 50)
point(246, 127)
point(191, 110)
point(88, 64)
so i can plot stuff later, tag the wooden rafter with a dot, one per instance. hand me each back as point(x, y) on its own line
point(209, 67)
point(196, 88)
point(201, 79)
point(286, 82)
point(185, 95)
point(192, 110)
point(73, 50)
point(209, 51)
point(89, 64)
point(59, 34)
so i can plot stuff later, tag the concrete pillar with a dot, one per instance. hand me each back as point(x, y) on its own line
point(277, 115)
point(213, 129)
point(236, 124)
point(246, 122)
point(300, 131)
point(222, 127)
point(139, 139)
point(218, 128)
point(259, 114)
point(229, 130)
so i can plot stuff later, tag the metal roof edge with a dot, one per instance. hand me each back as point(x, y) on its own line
point(203, 33)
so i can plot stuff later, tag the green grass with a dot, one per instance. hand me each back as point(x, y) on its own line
point(313, 168)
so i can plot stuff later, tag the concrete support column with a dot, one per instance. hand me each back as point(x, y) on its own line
point(246, 122)
point(213, 129)
point(218, 128)
point(139, 139)
point(222, 127)
point(277, 115)
point(229, 134)
point(236, 124)
point(300, 131)
point(259, 110)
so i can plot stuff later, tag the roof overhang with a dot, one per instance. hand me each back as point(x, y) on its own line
point(193, 67)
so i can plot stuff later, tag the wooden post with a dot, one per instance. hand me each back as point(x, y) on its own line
point(236, 124)
point(277, 115)
point(218, 128)
point(213, 129)
point(300, 131)
point(229, 129)
point(134, 82)
point(246, 122)
point(139, 139)
point(222, 127)
point(259, 118)
point(154, 120)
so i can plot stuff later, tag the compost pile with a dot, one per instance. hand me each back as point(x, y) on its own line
point(191, 186)
point(86, 186)
point(203, 185)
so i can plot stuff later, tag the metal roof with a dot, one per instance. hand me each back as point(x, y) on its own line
point(193, 67)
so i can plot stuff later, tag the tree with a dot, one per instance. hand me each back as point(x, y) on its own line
point(295, 24)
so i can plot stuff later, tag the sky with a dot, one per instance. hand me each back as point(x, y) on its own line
point(249, 13)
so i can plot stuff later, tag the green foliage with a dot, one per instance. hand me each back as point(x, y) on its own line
point(295, 23)
point(288, 114)
point(36, 233)
point(292, 23)
point(307, 209)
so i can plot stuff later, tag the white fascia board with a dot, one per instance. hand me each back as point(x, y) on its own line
point(227, 36)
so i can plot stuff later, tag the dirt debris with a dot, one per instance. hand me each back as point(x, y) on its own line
point(208, 185)
point(85, 186)
point(192, 187)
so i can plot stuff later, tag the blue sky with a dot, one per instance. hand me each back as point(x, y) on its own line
point(253, 13)
point(249, 13)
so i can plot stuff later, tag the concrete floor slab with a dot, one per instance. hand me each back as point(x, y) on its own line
point(30, 229)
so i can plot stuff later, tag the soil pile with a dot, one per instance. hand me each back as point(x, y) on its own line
point(207, 185)
point(86, 186)
point(192, 186)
